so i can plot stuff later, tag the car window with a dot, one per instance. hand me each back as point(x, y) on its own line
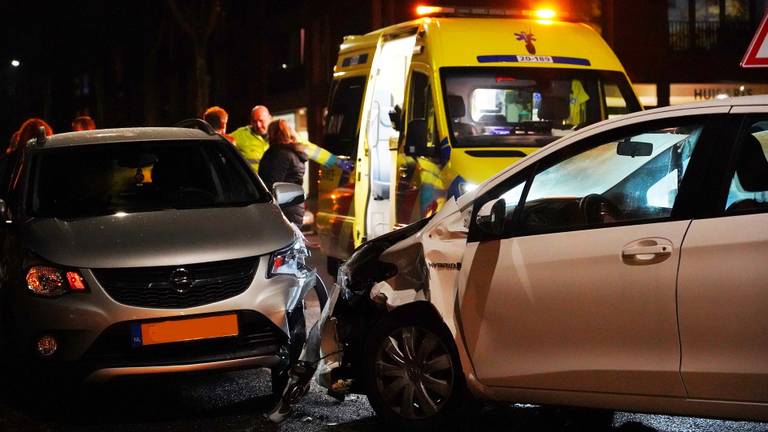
point(635, 177)
point(132, 177)
point(343, 116)
point(421, 105)
point(748, 191)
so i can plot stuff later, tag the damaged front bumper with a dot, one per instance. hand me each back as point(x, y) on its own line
point(335, 344)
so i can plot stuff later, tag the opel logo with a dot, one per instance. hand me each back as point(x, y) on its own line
point(181, 280)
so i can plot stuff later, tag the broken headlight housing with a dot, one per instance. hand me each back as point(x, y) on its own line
point(289, 261)
point(364, 268)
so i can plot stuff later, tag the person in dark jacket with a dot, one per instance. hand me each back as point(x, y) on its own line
point(284, 162)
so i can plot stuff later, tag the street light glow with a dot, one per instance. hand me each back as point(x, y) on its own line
point(15, 63)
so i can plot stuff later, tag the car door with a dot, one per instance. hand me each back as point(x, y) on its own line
point(577, 290)
point(723, 291)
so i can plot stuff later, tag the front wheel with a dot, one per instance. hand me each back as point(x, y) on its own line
point(412, 374)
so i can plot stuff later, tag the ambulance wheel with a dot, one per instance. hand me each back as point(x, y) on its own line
point(413, 376)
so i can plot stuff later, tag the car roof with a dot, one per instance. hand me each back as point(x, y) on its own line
point(729, 101)
point(739, 101)
point(718, 105)
point(106, 136)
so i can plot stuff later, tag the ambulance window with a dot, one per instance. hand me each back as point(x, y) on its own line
point(529, 107)
point(418, 105)
point(421, 105)
point(614, 101)
point(341, 122)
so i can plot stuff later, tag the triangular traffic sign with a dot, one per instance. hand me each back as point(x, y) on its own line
point(757, 53)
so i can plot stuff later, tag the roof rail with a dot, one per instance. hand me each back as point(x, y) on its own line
point(41, 138)
point(196, 123)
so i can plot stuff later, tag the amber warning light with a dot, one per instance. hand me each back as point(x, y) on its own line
point(433, 10)
point(541, 14)
point(544, 13)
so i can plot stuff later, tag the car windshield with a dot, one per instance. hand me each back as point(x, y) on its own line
point(130, 177)
point(600, 170)
point(529, 107)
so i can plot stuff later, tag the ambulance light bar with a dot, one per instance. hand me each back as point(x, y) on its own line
point(452, 11)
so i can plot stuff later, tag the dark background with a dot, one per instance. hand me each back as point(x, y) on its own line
point(143, 63)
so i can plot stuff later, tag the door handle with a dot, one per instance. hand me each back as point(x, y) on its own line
point(646, 251)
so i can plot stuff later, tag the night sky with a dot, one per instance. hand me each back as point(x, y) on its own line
point(129, 63)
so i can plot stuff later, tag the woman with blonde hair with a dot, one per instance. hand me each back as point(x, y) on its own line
point(284, 162)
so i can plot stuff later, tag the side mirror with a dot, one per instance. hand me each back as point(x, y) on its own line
point(491, 216)
point(288, 194)
point(396, 117)
point(634, 148)
point(416, 138)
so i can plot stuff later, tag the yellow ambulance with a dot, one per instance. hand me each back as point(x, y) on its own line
point(429, 108)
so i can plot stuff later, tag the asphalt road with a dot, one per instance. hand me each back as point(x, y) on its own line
point(237, 401)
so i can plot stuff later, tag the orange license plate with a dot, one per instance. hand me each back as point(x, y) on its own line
point(185, 330)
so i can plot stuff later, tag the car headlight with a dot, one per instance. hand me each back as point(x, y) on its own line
point(289, 261)
point(50, 281)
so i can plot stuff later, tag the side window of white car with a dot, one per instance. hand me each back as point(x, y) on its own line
point(748, 192)
point(633, 178)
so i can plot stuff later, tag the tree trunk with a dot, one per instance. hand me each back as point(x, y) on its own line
point(203, 79)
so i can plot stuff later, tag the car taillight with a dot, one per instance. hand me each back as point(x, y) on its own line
point(50, 281)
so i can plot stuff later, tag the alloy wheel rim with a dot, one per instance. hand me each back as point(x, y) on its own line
point(414, 373)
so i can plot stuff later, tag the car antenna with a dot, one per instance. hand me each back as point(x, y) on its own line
point(196, 123)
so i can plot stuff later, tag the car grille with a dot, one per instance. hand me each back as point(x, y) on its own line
point(178, 286)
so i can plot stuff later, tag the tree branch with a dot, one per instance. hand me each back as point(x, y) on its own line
point(180, 19)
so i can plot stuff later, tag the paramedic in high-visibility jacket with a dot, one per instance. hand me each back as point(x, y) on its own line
point(252, 143)
point(251, 140)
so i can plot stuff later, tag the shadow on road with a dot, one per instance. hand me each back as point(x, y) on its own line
point(511, 418)
point(237, 401)
point(231, 401)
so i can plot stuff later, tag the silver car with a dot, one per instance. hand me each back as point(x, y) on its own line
point(144, 251)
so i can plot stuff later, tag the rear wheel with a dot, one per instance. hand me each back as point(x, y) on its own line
point(412, 374)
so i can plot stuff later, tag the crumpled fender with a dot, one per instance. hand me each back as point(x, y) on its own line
point(428, 265)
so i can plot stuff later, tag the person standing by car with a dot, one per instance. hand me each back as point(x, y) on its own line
point(284, 162)
point(251, 140)
point(217, 117)
point(83, 123)
point(28, 130)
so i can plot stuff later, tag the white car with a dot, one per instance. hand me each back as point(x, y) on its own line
point(621, 267)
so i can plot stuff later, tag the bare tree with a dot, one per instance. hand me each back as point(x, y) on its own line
point(198, 20)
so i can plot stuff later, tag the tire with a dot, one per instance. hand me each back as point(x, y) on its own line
point(412, 374)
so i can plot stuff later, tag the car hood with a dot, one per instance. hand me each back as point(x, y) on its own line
point(160, 238)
